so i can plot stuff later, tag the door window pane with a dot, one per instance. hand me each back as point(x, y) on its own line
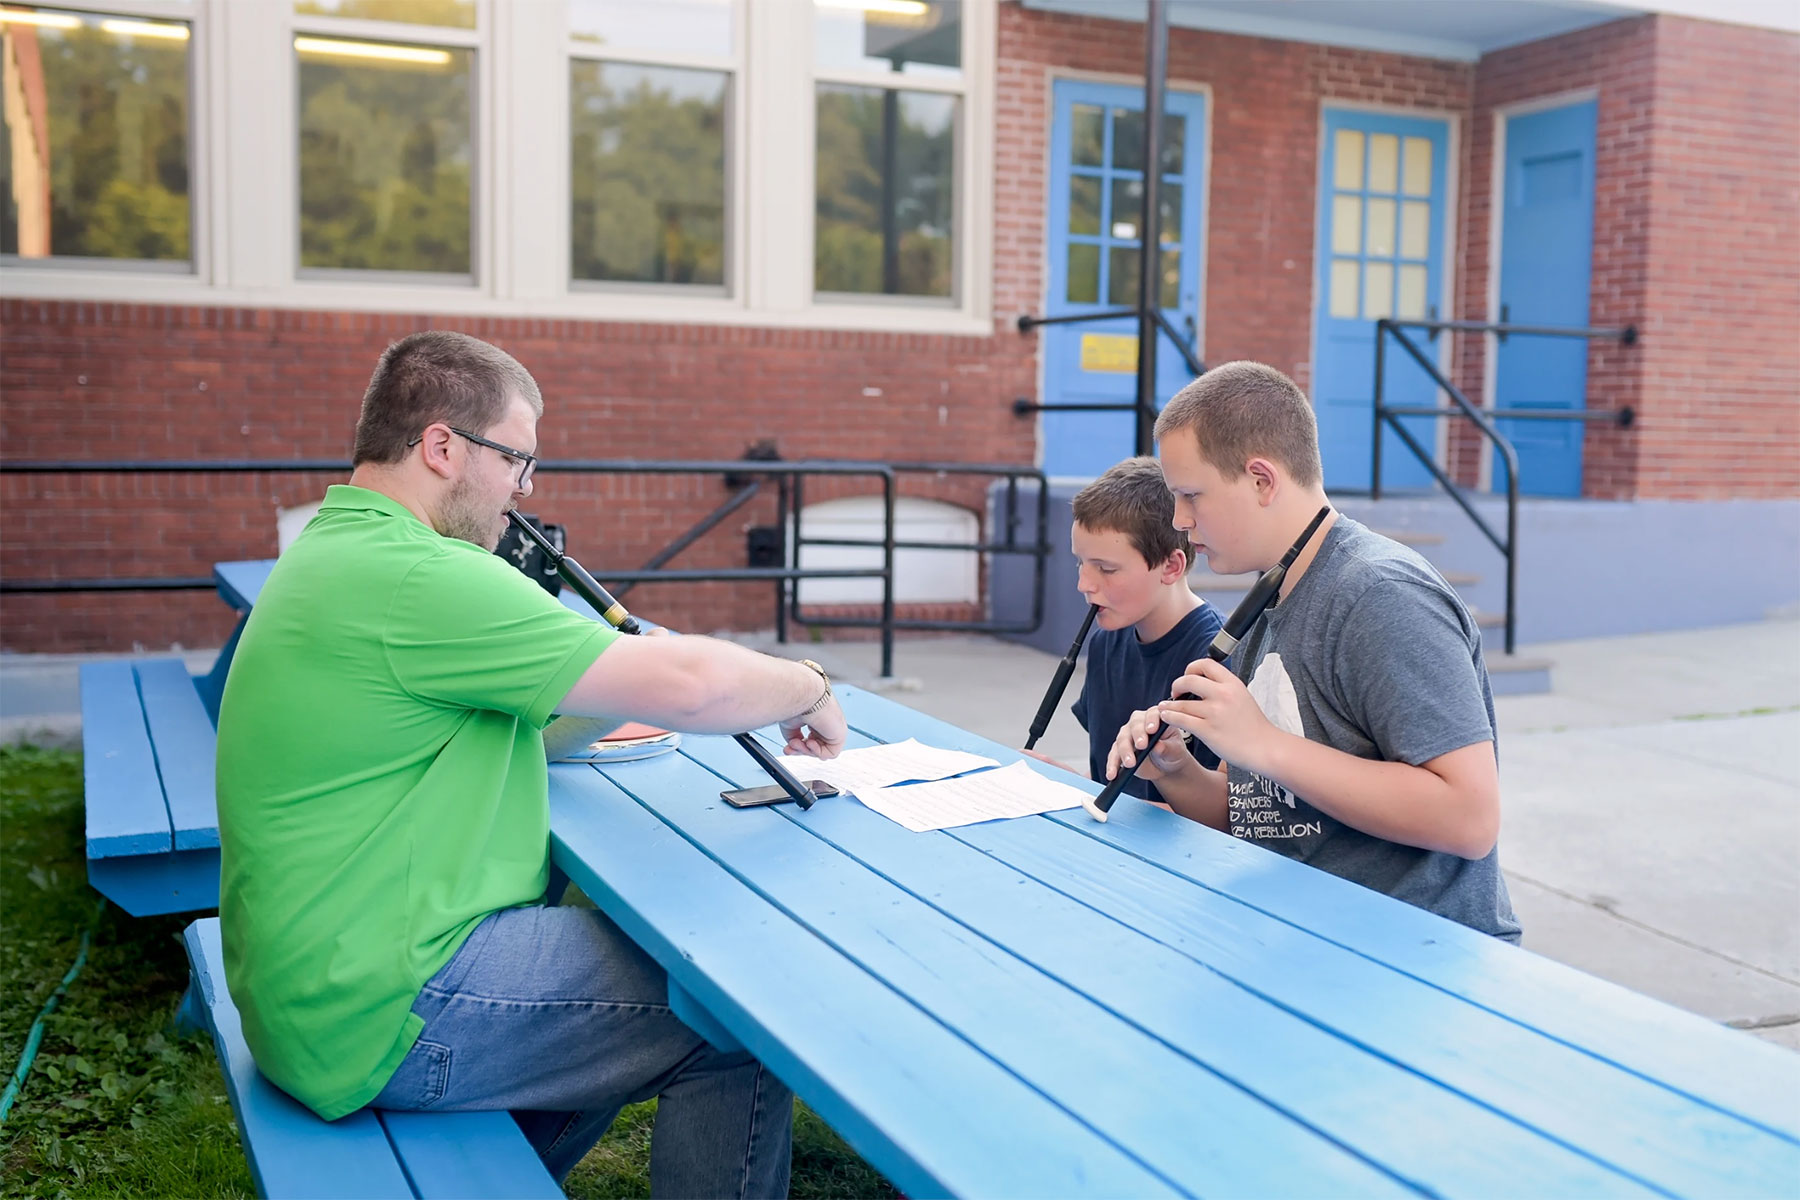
point(697, 27)
point(1084, 273)
point(1087, 135)
point(1412, 292)
point(1415, 229)
point(647, 173)
point(1128, 210)
point(385, 155)
point(93, 145)
point(1128, 140)
point(455, 14)
point(1381, 228)
point(1343, 287)
point(1418, 166)
point(1346, 224)
point(885, 171)
point(1122, 277)
point(1347, 165)
point(1084, 204)
point(912, 37)
point(1378, 290)
point(1384, 163)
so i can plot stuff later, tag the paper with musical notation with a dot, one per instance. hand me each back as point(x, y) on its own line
point(870, 767)
point(1012, 791)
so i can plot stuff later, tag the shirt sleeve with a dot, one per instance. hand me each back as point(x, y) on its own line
point(467, 630)
point(1403, 663)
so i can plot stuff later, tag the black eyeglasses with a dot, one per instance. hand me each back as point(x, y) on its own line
point(527, 462)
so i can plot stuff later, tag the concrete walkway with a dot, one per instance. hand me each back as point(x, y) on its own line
point(1652, 800)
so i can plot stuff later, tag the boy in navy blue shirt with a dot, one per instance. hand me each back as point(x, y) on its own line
point(1133, 564)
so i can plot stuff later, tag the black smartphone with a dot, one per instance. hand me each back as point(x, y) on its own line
point(772, 793)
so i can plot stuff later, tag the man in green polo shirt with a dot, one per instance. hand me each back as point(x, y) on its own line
point(383, 811)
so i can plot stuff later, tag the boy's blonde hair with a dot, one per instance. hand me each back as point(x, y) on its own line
point(1131, 498)
point(1245, 410)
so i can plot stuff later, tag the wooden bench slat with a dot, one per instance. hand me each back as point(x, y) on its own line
point(1077, 1052)
point(870, 1063)
point(1728, 1070)
point(184, 741)
point(291, 1151)
point(123, 793)
point(467, 1156)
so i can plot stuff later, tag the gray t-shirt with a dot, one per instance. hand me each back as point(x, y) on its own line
point(1373, 654)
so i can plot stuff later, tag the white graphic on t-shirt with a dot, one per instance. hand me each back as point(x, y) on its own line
point(1253, 799)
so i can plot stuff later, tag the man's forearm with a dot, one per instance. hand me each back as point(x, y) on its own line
point(565, 735)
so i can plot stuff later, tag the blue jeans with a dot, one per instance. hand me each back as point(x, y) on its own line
point(556, 1015)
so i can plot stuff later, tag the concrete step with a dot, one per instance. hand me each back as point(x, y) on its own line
point(1518, 674)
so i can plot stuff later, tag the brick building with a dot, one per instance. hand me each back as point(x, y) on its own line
point(713, 223)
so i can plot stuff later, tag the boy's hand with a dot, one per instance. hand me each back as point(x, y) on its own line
point(1168, 756)
point(1222, 714)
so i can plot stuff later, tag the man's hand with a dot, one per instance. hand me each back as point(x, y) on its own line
point(820, 734)
point(1222, 714)
point(1168, 756)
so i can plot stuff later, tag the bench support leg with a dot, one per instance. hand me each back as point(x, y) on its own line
point(190, 1017)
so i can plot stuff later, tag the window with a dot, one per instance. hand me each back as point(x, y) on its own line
point(887, 124)
point(648, 194)
point(94, 142)
point(386, 137)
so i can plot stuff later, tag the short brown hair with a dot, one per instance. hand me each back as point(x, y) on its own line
point(1245, 410)
point(1131, 498)
point(437, 375)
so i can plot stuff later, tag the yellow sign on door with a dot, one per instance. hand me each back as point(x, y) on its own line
point(1116, 352)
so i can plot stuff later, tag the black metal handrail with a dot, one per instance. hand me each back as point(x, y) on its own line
point(788, 474)
point(1390, 415)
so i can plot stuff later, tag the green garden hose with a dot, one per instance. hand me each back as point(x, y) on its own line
point(36, 1037)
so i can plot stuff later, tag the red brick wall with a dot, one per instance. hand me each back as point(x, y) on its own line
point(105, 381)
point(1261, 200)
point(1721, 390)
point(1697, 182)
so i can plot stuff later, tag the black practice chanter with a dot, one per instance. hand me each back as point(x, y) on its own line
point(1059, 683)
point(589, 589)
point(1242, 618)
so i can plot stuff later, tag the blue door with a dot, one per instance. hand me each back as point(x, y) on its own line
point(1096, 198)
point(1546, 257)
point(1380, 254)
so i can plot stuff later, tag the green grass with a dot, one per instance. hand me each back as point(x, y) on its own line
point(118, 1105)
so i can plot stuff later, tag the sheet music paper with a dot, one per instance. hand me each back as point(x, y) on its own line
point(1012, 791)
point(871, 767)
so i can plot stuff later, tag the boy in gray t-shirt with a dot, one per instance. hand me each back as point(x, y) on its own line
point(1363, 742)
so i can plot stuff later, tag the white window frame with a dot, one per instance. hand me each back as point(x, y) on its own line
point(165, 271)
point(244, 93)
point(737, 132)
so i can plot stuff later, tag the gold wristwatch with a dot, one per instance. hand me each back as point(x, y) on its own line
point(825, 695)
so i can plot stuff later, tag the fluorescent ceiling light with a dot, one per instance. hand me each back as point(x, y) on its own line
point(14, 16)
point(898, 8)
point(380, 50)
point(149, 29)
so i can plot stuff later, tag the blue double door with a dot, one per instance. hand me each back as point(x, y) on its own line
point(1095, 251)
point(1383, 204)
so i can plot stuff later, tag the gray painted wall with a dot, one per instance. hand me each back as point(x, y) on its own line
point(1587, 568)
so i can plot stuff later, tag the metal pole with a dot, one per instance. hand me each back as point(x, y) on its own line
point(1156, 72)
point(888, 489)
point(1380, 371)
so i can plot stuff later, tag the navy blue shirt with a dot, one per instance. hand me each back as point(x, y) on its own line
point(1125, 675)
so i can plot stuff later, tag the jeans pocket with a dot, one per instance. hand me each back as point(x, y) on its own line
point(421, 1080)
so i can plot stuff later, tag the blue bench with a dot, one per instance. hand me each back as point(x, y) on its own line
point(147, 741)
point(369, 1155)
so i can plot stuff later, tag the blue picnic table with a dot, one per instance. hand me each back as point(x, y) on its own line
point(1052, 1006)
